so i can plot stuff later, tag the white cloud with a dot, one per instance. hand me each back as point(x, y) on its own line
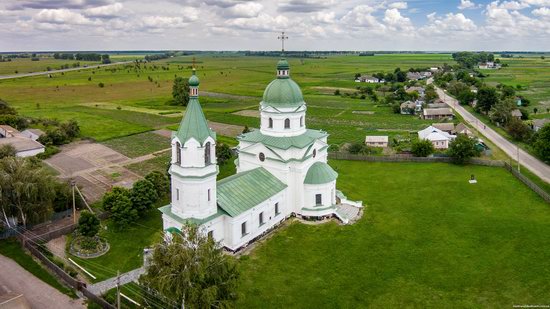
point(61, 16)
point(395, 21)
point(449, 24)
point(398, 5)
point(249, 9)
point(106, 11)
point(466, 4)
point(542, 12)
point(261, 23)
point(361, 16)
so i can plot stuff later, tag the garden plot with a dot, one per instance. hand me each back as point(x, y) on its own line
point(248, 113)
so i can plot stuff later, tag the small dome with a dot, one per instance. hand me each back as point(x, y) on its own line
point(283, 65)
point(283, 93)
point(320, 173)
point(193, 80)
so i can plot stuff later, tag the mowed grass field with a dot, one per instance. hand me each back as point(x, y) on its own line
point(428, 239)
point(129, 103)
point(530, 72)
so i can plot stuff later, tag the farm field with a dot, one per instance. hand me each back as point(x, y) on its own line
point(445, 243)
point(129, 103)
point(531, 73)
point(26, 65)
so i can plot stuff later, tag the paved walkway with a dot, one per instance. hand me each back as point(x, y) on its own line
point(533, 164)
point(94, 66)
point(104, 286)
point(15, 279)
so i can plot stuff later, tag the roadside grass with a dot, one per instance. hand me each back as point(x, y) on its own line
point(138, 144)
point(12, 249)
point(427, 239)
point(126, 252)
point(158, 163)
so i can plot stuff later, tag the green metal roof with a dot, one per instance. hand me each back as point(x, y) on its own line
point(194, 80)
point(167, 210)
point(243, 191)
point(194, 124)
point(300, 141)
point(283, 92)
point(320, 173)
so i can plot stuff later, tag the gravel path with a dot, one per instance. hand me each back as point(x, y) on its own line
point(39, 294)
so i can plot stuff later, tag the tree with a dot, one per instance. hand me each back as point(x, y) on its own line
point(180, 91)
point(355, 148)
point(191, 269)
point(430, 94)
point(88, 224)
point(486, 98)
point(7, 150)
point(112, 196)
point(26, 190)
point(518, 130)
point(5, 109)
point(462, 148)
point(502, 111)
point(542, 143)
point(160, 181)
point(123, 212)
point(223, 152)
point(71, 129)
point(143, 195)
point(535, 110)
point(465, 97)
point(337, 92)
point(246, 129)
point(422, 148)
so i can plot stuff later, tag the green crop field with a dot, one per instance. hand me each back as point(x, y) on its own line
point(26, 65)
point(531, 73)
point(129, 103)
point(429, 239)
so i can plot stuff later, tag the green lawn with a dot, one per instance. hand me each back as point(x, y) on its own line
point(158, 163)
point(138, 144)
point(428, 238)
point(127, 246)
point(12, 249)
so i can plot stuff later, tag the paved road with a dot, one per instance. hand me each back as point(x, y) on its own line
point(533, 164)
point(39, 294)
point(59, 71)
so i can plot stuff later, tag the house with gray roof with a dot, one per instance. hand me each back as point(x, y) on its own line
point(23, 145)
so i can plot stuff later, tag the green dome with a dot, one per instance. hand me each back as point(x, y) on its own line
point(283, 92)
point(193, 80)
point(283, 65)
point(320, 173)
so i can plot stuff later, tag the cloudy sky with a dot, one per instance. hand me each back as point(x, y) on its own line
point(27, 25)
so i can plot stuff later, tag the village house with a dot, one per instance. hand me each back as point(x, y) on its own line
point(462, 129)
point(24, 146)
point(437, 113)
point(489, 65)
point(447, 127)
point(438, 105)
point(377, 141)
point(516, 113)
point(439, 138)
point(369, 80)
point(408, 108)
point(420, 90)
point(33, 134)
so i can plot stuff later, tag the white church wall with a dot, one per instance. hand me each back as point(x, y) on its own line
point(327, 191)
point(191, 196)
point(251, 217)
point(192, 153)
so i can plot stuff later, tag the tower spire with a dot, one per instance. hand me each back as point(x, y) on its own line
point(282, 37)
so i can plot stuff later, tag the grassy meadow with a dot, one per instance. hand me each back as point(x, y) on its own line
point(428, 240)
point(130, 103)
point(26, 65)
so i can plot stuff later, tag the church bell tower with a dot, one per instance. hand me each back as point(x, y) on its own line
point(194, 166)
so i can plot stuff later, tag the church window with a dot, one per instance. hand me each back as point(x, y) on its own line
point(211, 234)
point(270, 123)
point(261, 156)
point(177, 194)
point(287, 123)
point(277, 209)
point(302, 121)
point(207, 159)
point(209, 195)
point(314, 152)
point(243, 229)
point(261, 218)
point(178, 153)
point(318, 199)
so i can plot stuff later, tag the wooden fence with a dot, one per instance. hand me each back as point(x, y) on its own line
point(528, 182)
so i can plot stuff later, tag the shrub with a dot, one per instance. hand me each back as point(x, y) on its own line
point(17, 122)
point(123, 212)
point(518, 130)
point(160, 181)
point(355, 148)
point(101, 85)
point(143, 195)
point(223, 152)
point(462, 148)
point(111, 197)
point(88, 224)
point(422, 148)
point(71, 129)
point(48, 152)
point(337, 92)
point(7, 150)
point(246, 129)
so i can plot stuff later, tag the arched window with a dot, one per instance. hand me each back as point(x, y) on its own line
point(287, 123)
point(314, 152)
point(270, 123)
point(261, 156)
point(302, 121)
point(178, 153)
point(207, 159)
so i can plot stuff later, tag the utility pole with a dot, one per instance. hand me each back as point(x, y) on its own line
point(118, 289)
point(73, 185)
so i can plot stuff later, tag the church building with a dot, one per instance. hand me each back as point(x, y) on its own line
point(282, 171)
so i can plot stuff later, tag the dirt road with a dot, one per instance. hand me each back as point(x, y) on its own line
point(39, 294)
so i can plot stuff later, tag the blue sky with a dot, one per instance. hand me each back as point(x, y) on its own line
point(254, 24)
